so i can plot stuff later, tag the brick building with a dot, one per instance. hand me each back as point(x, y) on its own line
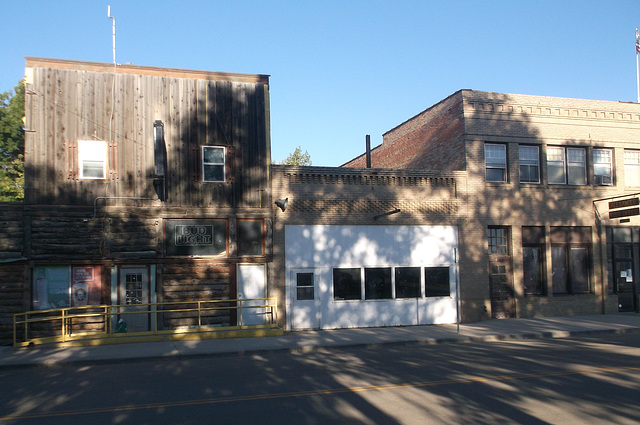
point(540, 196)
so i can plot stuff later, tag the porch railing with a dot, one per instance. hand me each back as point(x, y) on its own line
point(106, 321)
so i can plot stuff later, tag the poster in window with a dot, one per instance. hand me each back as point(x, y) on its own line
point(64, 286)
point(195, 237)
point(86, 288)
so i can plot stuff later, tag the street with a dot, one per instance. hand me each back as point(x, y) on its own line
point(588, 380)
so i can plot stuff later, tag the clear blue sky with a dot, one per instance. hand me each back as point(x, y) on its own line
point(343, 69)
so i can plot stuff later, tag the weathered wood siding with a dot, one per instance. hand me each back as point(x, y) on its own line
point(13, 267)
point(120, 105)
point(197, 281)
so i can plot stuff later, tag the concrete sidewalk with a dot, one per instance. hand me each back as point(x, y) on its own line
point(491, 330)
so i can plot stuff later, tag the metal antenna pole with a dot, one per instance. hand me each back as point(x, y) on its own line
point(114, 32)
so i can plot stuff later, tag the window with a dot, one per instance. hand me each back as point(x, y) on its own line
point(498, 242)
point(529, 164)
point(603, 167)
point(304, 286)
point(566, 165)
point(436, 282)
point(495, 157)
point(250, 237)
point(213, 166)
point(632, 168)
point(346, 284)
point(570, 259)
point(407, 282)
point(377, 283)
point(533, 249)
point(92, 159)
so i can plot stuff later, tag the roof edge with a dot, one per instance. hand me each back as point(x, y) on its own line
point(145, 70)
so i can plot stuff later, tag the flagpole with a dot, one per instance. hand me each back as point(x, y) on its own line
point(637, 64)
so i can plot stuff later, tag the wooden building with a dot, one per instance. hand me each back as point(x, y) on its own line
point(142, 185)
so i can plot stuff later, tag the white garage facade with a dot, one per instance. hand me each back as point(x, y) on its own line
point(342, 276)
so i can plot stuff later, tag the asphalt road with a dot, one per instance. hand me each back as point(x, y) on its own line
point(550, 381)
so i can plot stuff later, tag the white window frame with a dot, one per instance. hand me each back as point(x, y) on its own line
point(92, 151)
point(530, 161)
point(603, 167)
point(206, 164)
point(632, 168)
point(495, 158)
point(569, 160)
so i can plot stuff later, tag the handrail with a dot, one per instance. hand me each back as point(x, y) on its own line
point(107, 315)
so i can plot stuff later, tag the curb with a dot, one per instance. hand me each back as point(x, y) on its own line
point(301, 349)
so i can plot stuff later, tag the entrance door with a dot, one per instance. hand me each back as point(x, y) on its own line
point(134, 290)
point(501, 290)
point(624, 286)
point(304, 300)
point(252, 283)
point(500, 281)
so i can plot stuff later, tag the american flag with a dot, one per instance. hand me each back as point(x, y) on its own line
point(637, 41)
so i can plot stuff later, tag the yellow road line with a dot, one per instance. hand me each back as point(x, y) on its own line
point(311, 393)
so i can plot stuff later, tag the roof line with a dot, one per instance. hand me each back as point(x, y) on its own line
point(145, 70)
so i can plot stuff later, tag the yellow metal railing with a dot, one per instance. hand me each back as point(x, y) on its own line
point(100, 321)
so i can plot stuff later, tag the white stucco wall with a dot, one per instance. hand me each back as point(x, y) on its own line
point(321, 248)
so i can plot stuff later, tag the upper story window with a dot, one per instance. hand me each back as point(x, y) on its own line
point(213, 164)
point(495, 158)
point(567, 165)
point(603, 167)
point(632, 167)
point(529, 164)
point(92, 159)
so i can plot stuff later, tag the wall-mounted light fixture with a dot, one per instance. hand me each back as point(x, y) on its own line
point(396, 211)
point(282, 203)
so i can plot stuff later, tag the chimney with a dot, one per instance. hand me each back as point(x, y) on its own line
point(368, 151)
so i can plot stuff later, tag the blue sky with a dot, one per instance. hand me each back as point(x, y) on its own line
point(343, 69)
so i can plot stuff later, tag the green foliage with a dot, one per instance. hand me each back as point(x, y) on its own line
point(12, 145)
point(297, 158)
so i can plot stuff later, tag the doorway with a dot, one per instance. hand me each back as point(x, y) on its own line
point(134, 291)
point(305, 312)
point(500, 273)
point(252, 283)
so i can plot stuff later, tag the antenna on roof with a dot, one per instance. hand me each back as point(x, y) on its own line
point(114, 32)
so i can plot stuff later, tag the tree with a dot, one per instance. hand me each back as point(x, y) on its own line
point(12, 144)
point(297, 158)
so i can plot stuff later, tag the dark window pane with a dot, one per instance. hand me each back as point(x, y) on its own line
point(304, 294)
point(213, 155)
point(304, 279)
point(579, 270)
point(346, 284)
point(407, 282)
point(496, 175)
point(214, 173)
point(436, 280)
point(377, 283)
point(249, 237)
point(532, 267)
point(559, 269)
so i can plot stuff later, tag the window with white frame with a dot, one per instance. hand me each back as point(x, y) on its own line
point(495, 158)
point(632, 168)
point(603, 167)
point(529, 164)
point(567, 165)
point(92, 159)
point(213, 164)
